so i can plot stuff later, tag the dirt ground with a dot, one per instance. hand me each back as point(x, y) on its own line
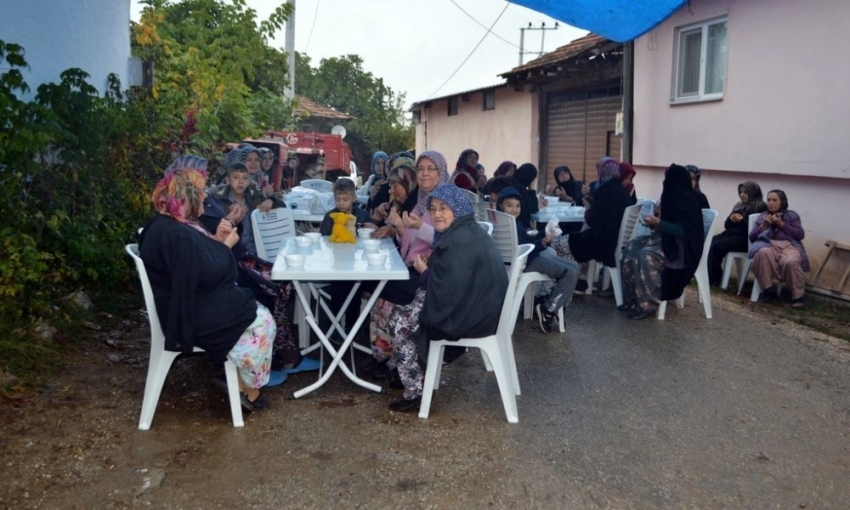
point(74, 443)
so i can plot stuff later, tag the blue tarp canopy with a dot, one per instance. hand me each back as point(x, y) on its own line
point(618, 20)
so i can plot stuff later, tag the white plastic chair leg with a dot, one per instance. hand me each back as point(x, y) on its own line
point(592, 276)
point(704, 292)
point(617, 284)
point(754, 296)
point(742, 275)
point(507, 388)
point(662, 310)
point(528, 300)
point(159, 364)
point(432, 378)
point(233, 393)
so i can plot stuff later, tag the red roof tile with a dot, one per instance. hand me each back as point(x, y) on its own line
point(307, 108)
point(561, 54)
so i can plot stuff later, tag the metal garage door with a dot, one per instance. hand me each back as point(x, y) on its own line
point(579, 131)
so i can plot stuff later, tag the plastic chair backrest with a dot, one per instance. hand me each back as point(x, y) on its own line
point(486, 226)
point(481, 209)
point(508, 316)
point(709, 217)
point(270, 229)
point(471, 195)
point(317, 184)
point(750, 226)
point(157, 336)
point(631, 215)
point(504, 233)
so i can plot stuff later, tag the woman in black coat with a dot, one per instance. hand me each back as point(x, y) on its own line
point(734, 238)
point(463, 284)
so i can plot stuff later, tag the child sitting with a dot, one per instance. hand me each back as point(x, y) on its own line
point(563, 272)
point(238, 198)
point(345, 199)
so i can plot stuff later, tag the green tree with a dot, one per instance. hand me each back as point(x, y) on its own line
point(215, 68)
point(342, 83)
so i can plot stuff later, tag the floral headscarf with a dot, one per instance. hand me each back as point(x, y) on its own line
point(608, 168)
point(456, 199)
point(440, 161)
point(180, 192)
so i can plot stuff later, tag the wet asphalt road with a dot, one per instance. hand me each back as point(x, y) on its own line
point(735, 412)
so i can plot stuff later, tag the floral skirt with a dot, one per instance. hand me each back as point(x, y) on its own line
point(285, 352)
point(403, 323)
point(252, 353)
point(380, 336)
point(641, 267)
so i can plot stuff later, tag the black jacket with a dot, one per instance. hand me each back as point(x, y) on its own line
point(193, 278)
point(599, 240)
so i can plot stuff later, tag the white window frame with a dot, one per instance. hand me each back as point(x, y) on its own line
point(701, 95)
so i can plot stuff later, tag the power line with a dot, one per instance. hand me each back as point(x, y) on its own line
point(482, 25)
point(471, 52)
point(315, 16)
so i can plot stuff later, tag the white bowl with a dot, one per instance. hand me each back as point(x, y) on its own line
point(370, 244)
point(303, 242)
point(365, 233)
point(294, 260)
point(376, 259)
point(313, 236)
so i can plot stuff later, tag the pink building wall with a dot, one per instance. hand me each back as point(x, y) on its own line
point(782, 121)
point(509, 132)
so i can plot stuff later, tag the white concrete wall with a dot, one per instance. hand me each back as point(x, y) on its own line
point(93, 35)
point(782, 121)
point(509, 132)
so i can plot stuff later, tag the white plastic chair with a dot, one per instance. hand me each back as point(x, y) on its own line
point(161, 359)
point(481, 209)
point(709, 219)
point(471, 195)
point(317, 184)
point(486, 226)
point(739, 259)
point(627, 229)
point(497, 348)
point(270, 229)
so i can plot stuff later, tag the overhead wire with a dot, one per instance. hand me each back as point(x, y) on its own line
point(315, 16)
point(471, 52)
point(482, 25)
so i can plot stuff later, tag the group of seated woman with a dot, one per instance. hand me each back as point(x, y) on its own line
point(213, 292)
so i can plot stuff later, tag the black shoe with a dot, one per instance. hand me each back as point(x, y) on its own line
point(383, 373)
point(768, 296)
point(372, 365)
point(404, 405)
point(395, 382)
point(626, 307)
point(581, 287)
point(538, 302)
point(799, 303)
point(545, 319)
point(639, 314)
point(607, 293)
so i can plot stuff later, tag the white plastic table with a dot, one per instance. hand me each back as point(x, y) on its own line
point(333, 262)
point(564, 214)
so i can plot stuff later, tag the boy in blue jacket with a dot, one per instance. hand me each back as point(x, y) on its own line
point(563, 272)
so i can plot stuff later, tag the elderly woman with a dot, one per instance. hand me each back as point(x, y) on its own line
point(250, 156)
point(657, 267)
point(777, 250)
point(468, 174)
point(439, 311)
point(193, 276)
point(695, 173)
point(734, 238)
point(413, 231)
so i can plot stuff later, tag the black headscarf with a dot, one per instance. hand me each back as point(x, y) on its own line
point(755, 200)
point(571, 186)
point(679, 205)
point(783, 199)
point(526, 173)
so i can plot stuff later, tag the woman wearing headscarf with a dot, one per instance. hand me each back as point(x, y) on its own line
point(413, 232)
point(657, 267)
point(250, 155)
point(599, 240)
point(695, 174)
point(468, 173)
point(439, 311)
point(266, 163)
point(523, 177)
point(627, 175)
point(777, 250)
point(734, 238)
point(566, 187)
point(380, 192)
point(193, 276)
point(505, 169)
point(376, 173)
point(384, 197)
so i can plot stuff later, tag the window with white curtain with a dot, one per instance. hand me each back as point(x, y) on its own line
point(700, 62)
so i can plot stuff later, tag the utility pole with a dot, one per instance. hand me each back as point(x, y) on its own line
point(543, 28)
point(289, 92)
